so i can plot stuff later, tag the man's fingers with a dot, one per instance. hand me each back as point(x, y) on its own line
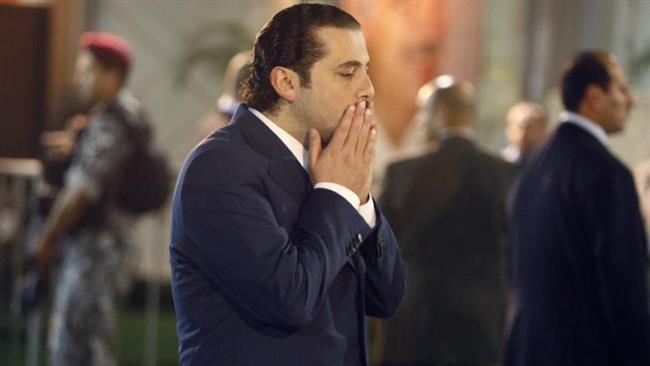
point(342, 130)
point(369, 153)
point(365, 131)
point(356, 125)
point(315, 147)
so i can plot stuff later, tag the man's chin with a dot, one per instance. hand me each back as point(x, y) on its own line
point(616, 129)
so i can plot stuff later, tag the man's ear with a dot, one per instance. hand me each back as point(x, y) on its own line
point(594, 95)
point(285, 82)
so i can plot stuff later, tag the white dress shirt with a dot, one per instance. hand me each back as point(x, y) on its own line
point(587, 124)
point(367, 210)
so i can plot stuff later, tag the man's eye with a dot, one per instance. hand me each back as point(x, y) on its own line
point(347, 75)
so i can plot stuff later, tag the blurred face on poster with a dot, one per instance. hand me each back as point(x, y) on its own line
point(405, 40)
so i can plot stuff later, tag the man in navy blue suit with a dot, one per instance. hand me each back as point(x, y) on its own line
point(279, 252)
point(576, 234)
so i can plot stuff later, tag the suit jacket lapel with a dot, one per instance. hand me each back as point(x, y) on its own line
point(283, 168)
point(291, 177)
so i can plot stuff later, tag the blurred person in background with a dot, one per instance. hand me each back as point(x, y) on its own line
point(237, 71)
point(447, 208)
point(642, 179)
point(85, 228)
point(526, 125)
point(577, 238)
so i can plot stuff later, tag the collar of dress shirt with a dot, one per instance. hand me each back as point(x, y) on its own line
point(296, 148)
point(587, 124)
point(447, 132)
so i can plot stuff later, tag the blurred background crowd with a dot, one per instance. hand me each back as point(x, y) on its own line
point(186, 59)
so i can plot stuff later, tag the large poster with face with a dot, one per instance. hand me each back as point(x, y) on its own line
point(410, 42)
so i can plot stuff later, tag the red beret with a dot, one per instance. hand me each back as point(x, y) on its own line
point(108, 45)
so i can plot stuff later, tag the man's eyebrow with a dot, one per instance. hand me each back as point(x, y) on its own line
point(351, 63)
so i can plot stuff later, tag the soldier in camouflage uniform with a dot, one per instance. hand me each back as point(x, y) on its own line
point(85, 227)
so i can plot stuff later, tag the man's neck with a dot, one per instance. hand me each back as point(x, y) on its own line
point(106, 98)
point(464, 131)
point(296, 147)
point(593, 117)
point(290, 124)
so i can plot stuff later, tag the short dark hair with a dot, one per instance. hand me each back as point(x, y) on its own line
point(586, 68)
point(289, 40)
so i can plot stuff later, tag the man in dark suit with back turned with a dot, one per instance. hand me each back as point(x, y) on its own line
point(448, 211)
point(576, 234)
point(277, 252)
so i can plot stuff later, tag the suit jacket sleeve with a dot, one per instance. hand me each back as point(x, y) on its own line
point(278, 276)
point(620, 262)
point(385, 270)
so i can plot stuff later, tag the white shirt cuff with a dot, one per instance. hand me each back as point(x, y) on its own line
point(367, 210)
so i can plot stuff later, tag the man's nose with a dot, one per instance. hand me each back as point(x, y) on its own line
point(631, 100)
point(366, 90)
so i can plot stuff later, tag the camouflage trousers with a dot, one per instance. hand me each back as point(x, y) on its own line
point(92, 279)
